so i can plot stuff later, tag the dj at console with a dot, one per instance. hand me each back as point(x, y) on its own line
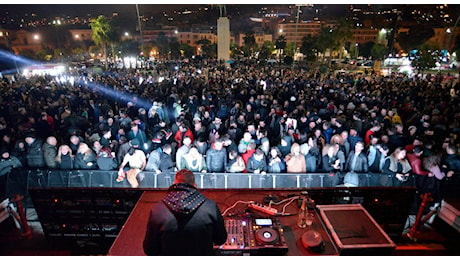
point(257, 229)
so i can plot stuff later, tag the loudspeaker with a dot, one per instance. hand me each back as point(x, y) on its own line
point(354, 231)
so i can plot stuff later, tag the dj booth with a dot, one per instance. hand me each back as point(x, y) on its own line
point(347, 221)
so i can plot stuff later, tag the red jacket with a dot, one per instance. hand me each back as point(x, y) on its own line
point(246, 157)
point(179, 135)
point(416, 164)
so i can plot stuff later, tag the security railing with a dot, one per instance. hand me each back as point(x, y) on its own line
point(97, 178)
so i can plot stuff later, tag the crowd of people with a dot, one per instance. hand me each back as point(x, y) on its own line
point(247, 118)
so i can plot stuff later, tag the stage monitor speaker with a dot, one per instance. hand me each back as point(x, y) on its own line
point(389, 206)
point(83, 212)
point(354, 231)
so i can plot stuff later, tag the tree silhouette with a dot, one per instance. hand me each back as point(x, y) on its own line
point(414, 37)
point(102, 33)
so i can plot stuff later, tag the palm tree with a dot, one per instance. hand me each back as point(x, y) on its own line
point(342, 34)
point(378, 53)
point(280, 44)
point(102, 30)
point(249, 43)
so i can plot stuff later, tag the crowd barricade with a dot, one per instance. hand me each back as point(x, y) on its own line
point(20, 180)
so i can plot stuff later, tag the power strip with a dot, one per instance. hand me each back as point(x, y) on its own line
point(263, 208)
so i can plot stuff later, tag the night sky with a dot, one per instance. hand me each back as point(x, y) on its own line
point(45, 10)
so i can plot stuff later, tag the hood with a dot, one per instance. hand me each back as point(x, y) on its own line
point(183, 199)
point(294, 146)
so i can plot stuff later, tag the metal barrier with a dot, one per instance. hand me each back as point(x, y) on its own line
point(97, 178)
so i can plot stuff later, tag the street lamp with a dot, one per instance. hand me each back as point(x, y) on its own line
point(356, 50)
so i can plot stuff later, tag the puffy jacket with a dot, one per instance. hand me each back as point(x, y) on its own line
point(49, 153)
point(253, 164)
point(216, 160)
point(452, 161)
point(85, 163)
point(106, 163)
point(35, 156)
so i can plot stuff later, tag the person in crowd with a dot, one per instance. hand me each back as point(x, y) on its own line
point(123, 149)
point(65, 157)
point(44, 126)
point(216, 129)
point(182, 132)
point(451, 166)
point(106, 160)
point(432, 164)
point(346, 142)
point(216, 157)
point(182, 151)
point(354, 137)
point(153, 160)
point(333, 159)
point(333, 162)
point(106, 138)
point(257, 163)
point(373, 154)
point(139, 135)
point(235, 162)
point(244, 142)
point(397, 136)
point(384, 153)
point(356, 162)
point(284, 146)
point(85, 159)
point(421, 175)
point(264, 141)
point(8, 162)
point(135, 162)
point(295, 160)
point(20, 151)
point(74, 143)
point(276, 163)
point(34, 154)
point(229, 143)
point(396, 167)
point(193, 160)
point(7, 142)
point(373, 131)
point(185, 222)
point(50, 151)
point(201, 143)
point(312, 153)
point(166, 166)
point(96, 146)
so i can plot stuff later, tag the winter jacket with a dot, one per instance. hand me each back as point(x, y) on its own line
point(295, 163)
point(216, 160)
point(185, 223)
point(49, 153)
point(452, 161)
point(34, 155)
point(254, 164)
point(276, 167)
point(66, 163)
point(85, 163)
point(6, 165)
point(106, 163)
point(361, 166)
